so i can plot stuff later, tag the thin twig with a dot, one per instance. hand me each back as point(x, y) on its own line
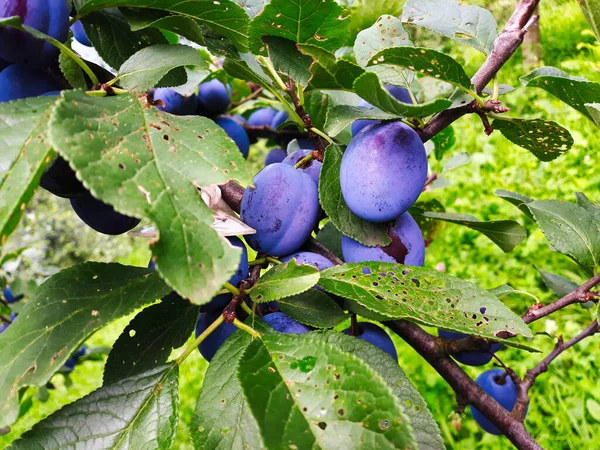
point(252, 96)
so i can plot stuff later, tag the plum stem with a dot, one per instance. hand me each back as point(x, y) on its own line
point(300, 164)
point(246, 328)
point(231, 288)
point(188, 351)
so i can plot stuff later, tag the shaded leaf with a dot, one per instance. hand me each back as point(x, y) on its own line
point(428, 226)
point(560, 285)
point(331, 238)
point(72, 72)
point(247, 68)
point(443, 141)
point(288, 60)
point(313, 308)
point(284, 280)
point(519, 200)
point(187, 27)
point(316, 105)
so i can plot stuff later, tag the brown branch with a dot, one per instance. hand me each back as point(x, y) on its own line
point(252, 96)
point(266, 131)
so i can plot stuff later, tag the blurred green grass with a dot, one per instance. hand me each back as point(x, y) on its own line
point(558, 416)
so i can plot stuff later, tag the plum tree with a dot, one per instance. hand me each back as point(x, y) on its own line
point(283, 208)
point(407, 247)
point(48, 16)
point(276, 155)
point(60, 180)
point(262, 117)
point(471, 358)
point(383, 171)
point(236, 132)
point(213, 98)
point(17, 81)
point(79, 34)
point(373, 334)
point(501, 388)
point(175, 103)
point(102, 217)
point(310, 258)
point(399, 93)
point(284, 324)
point(312, 168)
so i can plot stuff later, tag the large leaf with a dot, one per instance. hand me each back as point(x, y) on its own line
point(187, 27)
point(506, 234)
point(149, 338)
point(330, 195)
point(287, 59)
point(284, 280)
point(424, 296)
point(591, 11)
point(385, 33)
point(314, 308)
point(519, 200)
point(245, 67)
point(547, 140)
point(137, 412)
point(61, 314)
point(465, 23)
point(224, 16)
point(152, 66)
point(571, 229)
point(340, 116)
point(331, 238)
point(316, 105)
point(24, 156)
point(317, 22)
point(147, 163)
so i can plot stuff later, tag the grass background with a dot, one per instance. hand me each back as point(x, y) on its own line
point(565, 401)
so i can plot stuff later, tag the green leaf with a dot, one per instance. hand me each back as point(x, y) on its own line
point(423, 296)
point(385, 33)
point(547, 140)
point(519, 200)
point(313, 308)
point(369, 88)
point(147, 163)
point(153, 66)
point(571, 229)
point(24, 156)
point(464, 23)
point(306, 393)
point(331, 238)
point(135, 412)
point(428, 226)
point(247, 68)
point(316, 22)
point(574, 91)
point(427, 62)
point(288, 60)
point(149, 338)
point(345, 72)
point(443, 141)
point(330, 197)
point(284, 280)
point(341, 116)
point(591, 11)
point(560, 285)
point(593, 407)
point(139, 19)
point(316, 105)
point(582, 200)
point(64, 311)
point(594, 111)
point(506, 234)
point(224, 17)
point(72, 72)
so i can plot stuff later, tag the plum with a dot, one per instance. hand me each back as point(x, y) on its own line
point(306, 144)
point(283, 208)
point(209, 346)
point(213, 98)
point(10, 297)
point(276, 155)
point(309, 258)
point(399, 93)
point(284, 324)
point(174, 102)
point(474, 358)
point(102, 217)
point(48, 16)
point(17, 81)
point(383, 171)
point(60, 180)
point(79, 34)
point(407, 247)
point(312, 169)
point(262, 117)
point(373, 334)
point(279, 118)
point(236, 132)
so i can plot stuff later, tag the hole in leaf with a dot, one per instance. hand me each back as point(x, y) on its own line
point(322, 425)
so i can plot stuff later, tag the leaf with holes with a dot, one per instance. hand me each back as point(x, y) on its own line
point(506, 234)
point(157, 329)
point(330, 196)
point(66, 309)
point(547, 140)
point(224, 16)
point(141, 409)
point(24, 156)
point(284, 280)
point(313, 308)
point(443, 141)
point(287, 59)
point(317, 22)
point(368, 87)
point(469, 24)
point(140, 19)
point(152, 66)
point(427, 62)
point(423, 296)
point(519, 200)
point(147, 163)
point(385, 33)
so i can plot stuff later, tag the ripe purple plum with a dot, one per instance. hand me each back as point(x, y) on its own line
point(60, 180)
point(407, 247)
point(279, 118)
point(373, 334)
point(262, 117)
point(276, 155)
point(284, 324)
point(175, 103)
point(79, 34)
point(102, 217)
point(399, 93)
point(312, 169)
point(474, 358)
point(17, 81)
point(283, 208)
point(383, 171)
point(236, 132)
point(309, 258)
point(213, 98)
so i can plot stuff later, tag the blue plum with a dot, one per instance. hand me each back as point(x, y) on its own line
point(313, 169)
point(3, 326)
point(284, 324)
point(502, 389)
point(397, 92)
point(60, 180)
point(209, 346)
point(407, 247)
point(81, 352)
point(309, 258)
point(69, 366)
point(262, 117)
point(306, 144)
point(276, 155)
point(102, 217)
point(10, 297)
point(79, 34)
point(373, 334)
point(476, 358)
point(283, 208)
point(17, 81)
point(48, 16)
point(279, 118)
point(175, 103)
point(383, 171)
point(236, 132)
point(213, 98)
point(240, 119)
